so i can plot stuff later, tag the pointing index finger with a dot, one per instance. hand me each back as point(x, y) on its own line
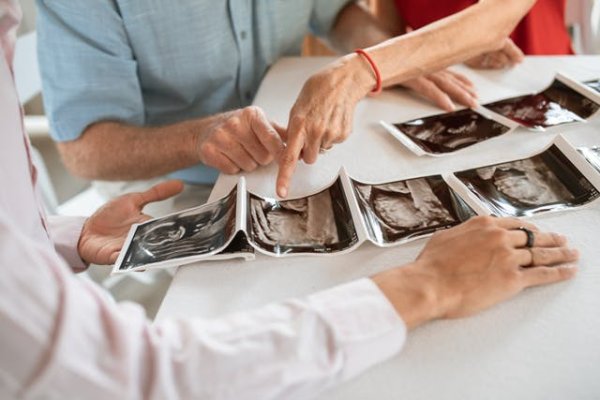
point(289, 159)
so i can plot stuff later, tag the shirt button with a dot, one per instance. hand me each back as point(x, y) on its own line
point(243, 35)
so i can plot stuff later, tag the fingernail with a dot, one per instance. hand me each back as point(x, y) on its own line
point(569, 266)
point(283, 192)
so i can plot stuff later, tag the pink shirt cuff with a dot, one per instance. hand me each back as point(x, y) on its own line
point(65, 233)
point(366, 325)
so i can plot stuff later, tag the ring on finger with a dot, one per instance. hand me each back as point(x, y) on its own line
point(530, 236)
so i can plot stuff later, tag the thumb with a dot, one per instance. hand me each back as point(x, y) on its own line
point(159, 192)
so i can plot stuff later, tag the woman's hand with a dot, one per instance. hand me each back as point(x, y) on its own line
point(508, 56)
point(442, 87)
point(323, 114)
point(474, 266)
point(104, 232)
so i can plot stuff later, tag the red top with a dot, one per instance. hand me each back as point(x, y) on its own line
point(541, 32)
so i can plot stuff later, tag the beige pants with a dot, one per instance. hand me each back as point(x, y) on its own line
point(145, 288)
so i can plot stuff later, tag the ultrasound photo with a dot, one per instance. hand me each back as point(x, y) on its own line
point(592, 155)
point(594, 85)
point(546, 182)
point(446, 133)
point(409, 209)
point(321, 223)
point(559, 104)
point(193, 232)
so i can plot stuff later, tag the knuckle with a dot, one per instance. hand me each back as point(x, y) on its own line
point(234, 124)
point(251, 111)
point(297, 120)
point(288, 159)
point(207, 149)
point(483, 221)
point(221, 135)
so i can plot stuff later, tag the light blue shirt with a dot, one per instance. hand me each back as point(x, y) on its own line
point(157, 62)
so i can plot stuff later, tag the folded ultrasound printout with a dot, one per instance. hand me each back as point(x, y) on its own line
point(564, 101)
point(444, 134)
point(558, 178)
point(208, 231)
point(334, 220)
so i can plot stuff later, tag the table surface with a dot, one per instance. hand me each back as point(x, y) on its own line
point(544, 344)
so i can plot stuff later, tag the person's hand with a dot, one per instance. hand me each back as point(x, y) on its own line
point(473, 266)
point(443, 87)
point(323, 114)
point(508, 56)
point(104, 233)
point(240, 140)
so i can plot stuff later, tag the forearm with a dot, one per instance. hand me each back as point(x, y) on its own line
point(478, 29)
point(294, 349)
point(116, 151)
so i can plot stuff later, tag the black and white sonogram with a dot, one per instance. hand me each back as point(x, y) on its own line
point(409, 209)
point(321, 223)
point(446, 133)
point(545, 182)
point(559, 104)
point(193, 232)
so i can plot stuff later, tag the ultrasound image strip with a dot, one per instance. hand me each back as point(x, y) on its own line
point(546, 182)
point(558, 104)
point(446, 133)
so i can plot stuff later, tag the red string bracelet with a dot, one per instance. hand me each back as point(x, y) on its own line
point(378, 84)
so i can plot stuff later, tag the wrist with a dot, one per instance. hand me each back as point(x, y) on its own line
point(413, 293)
point(360, 73)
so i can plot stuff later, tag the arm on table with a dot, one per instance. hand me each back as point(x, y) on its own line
point(324, 111)
point(62, 336)
point(240, 140)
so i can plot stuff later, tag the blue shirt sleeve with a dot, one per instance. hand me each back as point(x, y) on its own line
point(324, 15)
point(88, 68)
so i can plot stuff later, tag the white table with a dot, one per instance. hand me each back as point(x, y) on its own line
point(545, 344)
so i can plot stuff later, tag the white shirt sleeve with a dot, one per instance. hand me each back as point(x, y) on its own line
point(62, 338)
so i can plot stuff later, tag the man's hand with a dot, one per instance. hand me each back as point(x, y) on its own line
point(508, 56)
point(443, 87)
point(240, 140)
point(104, 232)
point(474, 266)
